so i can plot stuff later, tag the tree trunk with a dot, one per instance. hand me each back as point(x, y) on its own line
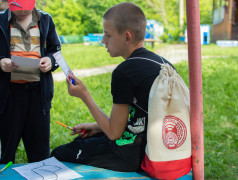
point(181, 14)
point(160, 8)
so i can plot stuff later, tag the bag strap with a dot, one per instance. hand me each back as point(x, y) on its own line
point(135, 100)
point(149, 59)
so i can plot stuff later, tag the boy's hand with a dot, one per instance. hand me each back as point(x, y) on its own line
point(7, 65)
point(78, 90)
point(85, 130)
point(45, 64)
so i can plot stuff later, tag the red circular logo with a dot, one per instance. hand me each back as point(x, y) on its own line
point(174, 132)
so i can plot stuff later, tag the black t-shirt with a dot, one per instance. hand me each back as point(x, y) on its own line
point(132, 80)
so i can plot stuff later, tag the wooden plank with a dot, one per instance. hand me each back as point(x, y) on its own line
point(88, 172)
point(151, 41)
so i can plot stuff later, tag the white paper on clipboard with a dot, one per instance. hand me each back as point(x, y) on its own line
point(64, 66)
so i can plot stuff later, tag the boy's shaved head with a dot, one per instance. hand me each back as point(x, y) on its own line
point(128, 16)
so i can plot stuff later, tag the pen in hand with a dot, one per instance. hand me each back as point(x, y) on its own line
point(65, 126)
point(8, 165)
point(83, 130)
point(70, 79)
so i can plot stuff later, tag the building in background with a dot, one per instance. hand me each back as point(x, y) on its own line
point(225, 20)
point(205, 33)
point(154, 29)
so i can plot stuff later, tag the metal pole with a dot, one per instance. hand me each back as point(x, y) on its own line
point(195, 86)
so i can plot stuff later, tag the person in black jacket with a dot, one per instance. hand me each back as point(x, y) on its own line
point(26, 92)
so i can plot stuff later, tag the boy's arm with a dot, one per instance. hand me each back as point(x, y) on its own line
point(113, 126)
point(53, 44)
point(85, 130)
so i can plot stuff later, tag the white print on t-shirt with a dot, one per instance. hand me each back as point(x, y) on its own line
point(80, 151)
point(138, 127)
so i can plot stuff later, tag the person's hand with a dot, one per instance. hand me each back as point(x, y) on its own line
point(45, 64)
point(85, 130)
point(7, 65)
point(78, 90)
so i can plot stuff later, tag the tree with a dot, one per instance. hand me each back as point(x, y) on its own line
point(206, 11)
point(159, 7)
point(168, 12)
point(67, 16)
point(94, 11)
point(40, 4)
point(85, 16)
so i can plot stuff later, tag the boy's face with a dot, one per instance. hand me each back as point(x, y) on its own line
point(22, 14)
point(114, 42)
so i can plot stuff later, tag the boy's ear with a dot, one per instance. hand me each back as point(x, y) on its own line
point(129, 36)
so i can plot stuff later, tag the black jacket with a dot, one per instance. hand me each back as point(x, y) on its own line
point(49, 43)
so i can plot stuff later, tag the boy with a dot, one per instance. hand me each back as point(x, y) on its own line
point(117, 142)
point(26, 93)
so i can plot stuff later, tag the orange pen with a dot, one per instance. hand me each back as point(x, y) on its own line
point(83, 130)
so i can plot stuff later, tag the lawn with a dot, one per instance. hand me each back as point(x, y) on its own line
point(79, 56)
point(220, 105)
point(220, 115)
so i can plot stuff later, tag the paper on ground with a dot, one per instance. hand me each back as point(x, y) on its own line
point(25, 62)
point(49, 168)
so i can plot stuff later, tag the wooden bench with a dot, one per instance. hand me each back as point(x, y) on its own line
point(88, 172)
point(151, 41)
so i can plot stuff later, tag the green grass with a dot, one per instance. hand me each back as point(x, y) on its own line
point(220, 110)
point(214, 50)
point(79, 56)
point(72, 111)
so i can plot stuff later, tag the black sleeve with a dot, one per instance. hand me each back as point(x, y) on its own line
point(53, 43)
point(122, 88)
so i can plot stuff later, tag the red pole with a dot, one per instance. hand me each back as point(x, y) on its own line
point(195, 86)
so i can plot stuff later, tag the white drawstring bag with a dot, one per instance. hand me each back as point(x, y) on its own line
point(168, 149)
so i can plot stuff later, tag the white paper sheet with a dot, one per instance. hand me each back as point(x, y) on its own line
point(63, 65)
point(25, 62)
point(49, 168)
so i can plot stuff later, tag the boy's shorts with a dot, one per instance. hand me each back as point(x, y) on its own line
point(95, 151)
